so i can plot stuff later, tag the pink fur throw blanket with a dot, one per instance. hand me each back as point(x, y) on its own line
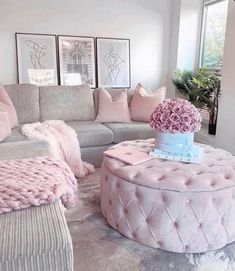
point(32, 182)
point(62, 141)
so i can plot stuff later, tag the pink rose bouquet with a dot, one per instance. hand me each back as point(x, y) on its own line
point(176, 116)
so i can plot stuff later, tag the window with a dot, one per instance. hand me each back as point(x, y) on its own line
point(213, 34)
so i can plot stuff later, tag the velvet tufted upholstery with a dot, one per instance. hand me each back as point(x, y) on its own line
point(171, 205)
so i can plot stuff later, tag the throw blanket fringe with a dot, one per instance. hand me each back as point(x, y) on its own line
point(63, 143)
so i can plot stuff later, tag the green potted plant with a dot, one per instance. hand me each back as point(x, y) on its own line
point(203, 90)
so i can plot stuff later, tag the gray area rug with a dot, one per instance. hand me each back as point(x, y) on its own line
point(99, 247)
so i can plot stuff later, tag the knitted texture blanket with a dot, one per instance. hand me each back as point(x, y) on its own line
point(63, 143)
point(33, 182)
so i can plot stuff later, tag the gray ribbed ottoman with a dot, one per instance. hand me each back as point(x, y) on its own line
point(35, 239)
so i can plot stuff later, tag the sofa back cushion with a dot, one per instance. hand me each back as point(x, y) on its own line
point(113, 93)
point(5, 126)
point(143, 104)
point(25, 98)
point(7, 106)
point(66, 103)
point(113, 108)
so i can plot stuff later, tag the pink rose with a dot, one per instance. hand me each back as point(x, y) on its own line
point(177, 115)
point(164, 117)
point(166, 128)
point(185, 118)
point(167, 108)
point(174, 129)
point(157, 124)
point(174, 118)
point(185, 128)
point(177, 109)
point(187, 109)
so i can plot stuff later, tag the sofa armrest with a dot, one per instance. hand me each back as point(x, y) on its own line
point(23, 149)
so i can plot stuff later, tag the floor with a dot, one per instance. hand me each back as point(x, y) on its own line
point(98, 247)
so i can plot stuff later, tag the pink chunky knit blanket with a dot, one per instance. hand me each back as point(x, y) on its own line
point(63, 143)
point(33, 182)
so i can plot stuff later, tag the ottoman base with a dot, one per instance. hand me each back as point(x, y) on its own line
point(169, 220)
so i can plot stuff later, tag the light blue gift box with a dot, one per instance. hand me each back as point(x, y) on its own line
point(178, 147)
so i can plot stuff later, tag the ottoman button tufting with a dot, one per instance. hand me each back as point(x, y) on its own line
point(222, 221)
point(188, 182)
point(186, 247)
point(188, 201)
point(159, 243)
point(171, 201)
point(209, 247)
point(213, 183)
point(200, 173)
point(161, 178)
point(147, 220)
point(137, 195)
point(227, 176)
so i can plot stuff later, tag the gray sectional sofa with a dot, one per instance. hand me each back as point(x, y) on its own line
point(77, 106)
point(29, 239)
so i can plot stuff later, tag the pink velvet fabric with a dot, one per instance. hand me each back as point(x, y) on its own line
point(142, 105)
point(63, 143)
point(6, 105)
point(32, 182)
point(5, 126)
point(113, 109)
point(171, 205)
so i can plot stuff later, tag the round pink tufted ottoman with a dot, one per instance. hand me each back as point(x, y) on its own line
point(171, 205)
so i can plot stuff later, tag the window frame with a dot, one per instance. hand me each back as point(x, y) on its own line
point(206, 3)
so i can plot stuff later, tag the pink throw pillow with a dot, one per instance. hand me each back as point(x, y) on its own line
point(5, 126)
point(113, 109)
point(142, 105)
point(6, 105)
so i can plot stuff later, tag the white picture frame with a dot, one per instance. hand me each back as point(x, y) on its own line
point(77, 60)
point(36, 59)
point(113, 62)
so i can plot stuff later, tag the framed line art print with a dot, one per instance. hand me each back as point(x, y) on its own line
point(113, 62)
point(37, 59)
point(77, 60)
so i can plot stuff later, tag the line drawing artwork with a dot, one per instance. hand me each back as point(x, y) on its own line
point(38, 51)
point(112, 61)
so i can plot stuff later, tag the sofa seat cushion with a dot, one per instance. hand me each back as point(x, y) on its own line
point(66, 103)
point(25, 98)
point(91, 133)
point(16, 135)
point(130, 131)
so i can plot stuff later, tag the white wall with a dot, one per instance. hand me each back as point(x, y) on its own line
point(226, 121)
point(175, 24)
point(146, 23)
